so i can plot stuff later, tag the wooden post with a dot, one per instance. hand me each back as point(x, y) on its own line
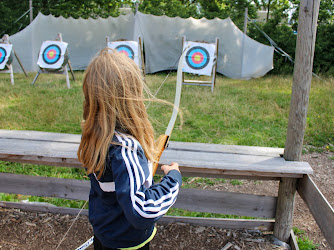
point(308, 16)
point(245, 21)
point(302, 76)
point(183, 41)
point(284, 209)
point(214, 70)
point(140, 46)
point(31, 13)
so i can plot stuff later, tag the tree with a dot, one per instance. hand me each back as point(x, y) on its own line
point(225, 8)
point(326, 12)
point(10, 11)
point(171, 8)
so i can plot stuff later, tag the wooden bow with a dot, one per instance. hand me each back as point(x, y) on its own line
point(162, 141)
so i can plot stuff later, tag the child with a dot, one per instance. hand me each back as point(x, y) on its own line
point(117, 148)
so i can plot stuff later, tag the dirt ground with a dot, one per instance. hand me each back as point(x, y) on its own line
point(28, 230)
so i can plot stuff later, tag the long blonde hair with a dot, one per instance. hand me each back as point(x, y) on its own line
point(114, 101)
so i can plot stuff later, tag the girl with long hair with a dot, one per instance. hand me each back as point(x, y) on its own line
point(117, 149)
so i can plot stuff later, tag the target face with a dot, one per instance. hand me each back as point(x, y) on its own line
point(197, 57)
point(51, 54)
point(127, 50)
point(3, 54)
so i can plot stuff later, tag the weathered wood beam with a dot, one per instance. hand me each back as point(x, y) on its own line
point(320, 208)
point(285, 207)
point(302, 76)
point(263, 225)
point(197, 200)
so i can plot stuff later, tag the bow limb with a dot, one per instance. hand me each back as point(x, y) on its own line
point(162, 141)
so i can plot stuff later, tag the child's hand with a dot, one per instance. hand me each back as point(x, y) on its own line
point(167, 168)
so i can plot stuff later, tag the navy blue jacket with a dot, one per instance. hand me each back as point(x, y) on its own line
point(124, 204)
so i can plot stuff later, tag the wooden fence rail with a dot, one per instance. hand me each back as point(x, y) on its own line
point(319, 207)
point(196, 159)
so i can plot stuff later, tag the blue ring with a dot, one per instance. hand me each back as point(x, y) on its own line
point(57, 57)
point(201, 50)
point(3, 54)
point(127, 48)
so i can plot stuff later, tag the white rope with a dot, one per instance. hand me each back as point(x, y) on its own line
point(170, 71)
point(71, 225)
point(276, 48)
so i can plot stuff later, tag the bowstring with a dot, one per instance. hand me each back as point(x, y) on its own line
point(71, 225)
point(170, 71)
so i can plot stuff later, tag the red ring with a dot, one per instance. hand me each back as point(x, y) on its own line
point(197, 54)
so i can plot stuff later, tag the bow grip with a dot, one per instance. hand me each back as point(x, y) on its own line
point(161, 144)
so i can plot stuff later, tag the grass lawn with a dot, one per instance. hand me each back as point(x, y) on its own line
point(253, 113)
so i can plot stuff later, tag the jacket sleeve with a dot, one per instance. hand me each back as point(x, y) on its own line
point(142, 204)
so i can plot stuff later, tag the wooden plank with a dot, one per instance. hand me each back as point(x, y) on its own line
point(39, 136)
point(193, 162)
point(197, 84)
point(219, 148)
point(293, 241)
point(302, 76)
point(196, 81)
point(35, 207)
point(285, 206)
point(219, 202)
point(264, 225)
point(319, 207)
point(44, 186)
point(191, 199)
point(173, 145)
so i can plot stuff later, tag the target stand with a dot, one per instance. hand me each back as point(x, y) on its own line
point(7, 54)
point(132, 49)
point(201, 59)
point(53, 59)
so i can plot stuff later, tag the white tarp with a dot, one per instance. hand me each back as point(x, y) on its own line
point(52, 54)
point(239, 56)
point(85, 37)
point(5, 52)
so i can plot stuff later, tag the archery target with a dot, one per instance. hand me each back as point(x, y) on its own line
point(129, 48)
point(5, 52)
point(125, 49)
point(199, 58)
point(52, 54)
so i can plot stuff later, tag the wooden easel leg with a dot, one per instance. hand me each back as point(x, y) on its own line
point(213, 78)
point(33, 82)
point(10, 67)
point(18, 59)
point(67, 77)
point(70, 66)
point(284, 209)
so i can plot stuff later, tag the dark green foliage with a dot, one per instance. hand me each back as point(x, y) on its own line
point(171, 8)
point(11, 10)
point(283, 37)
point(324, 50)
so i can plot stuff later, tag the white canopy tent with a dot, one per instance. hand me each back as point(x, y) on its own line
point(240, 57)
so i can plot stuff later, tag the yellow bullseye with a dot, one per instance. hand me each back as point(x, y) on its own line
point(197, 58)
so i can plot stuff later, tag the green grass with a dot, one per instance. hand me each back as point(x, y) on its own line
point(304, 243)
point(253, 112)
